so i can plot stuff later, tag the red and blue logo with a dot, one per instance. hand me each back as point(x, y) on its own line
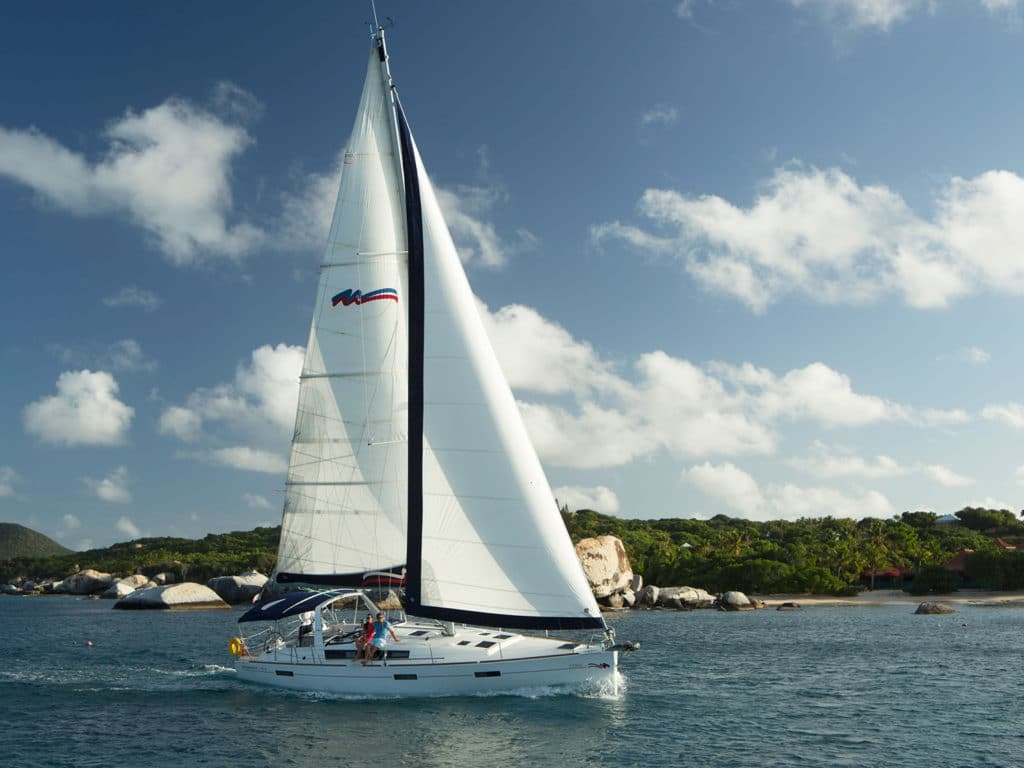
point(349, 297)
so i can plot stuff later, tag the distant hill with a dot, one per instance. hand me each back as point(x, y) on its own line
point(19, 541)
point(217, 554)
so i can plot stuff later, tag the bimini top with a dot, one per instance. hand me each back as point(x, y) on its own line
point(289, 604)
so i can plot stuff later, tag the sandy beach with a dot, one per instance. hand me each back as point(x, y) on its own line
point(880, 597)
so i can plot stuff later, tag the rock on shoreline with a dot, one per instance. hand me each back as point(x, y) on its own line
point(186, 596)
point(238, 589)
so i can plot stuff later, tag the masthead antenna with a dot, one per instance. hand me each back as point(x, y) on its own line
point(373, 7)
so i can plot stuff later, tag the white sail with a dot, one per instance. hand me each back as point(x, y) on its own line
point(494, 547)
point(345, 498)
point(464, 503)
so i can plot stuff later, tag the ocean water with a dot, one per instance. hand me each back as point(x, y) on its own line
point(864, 686)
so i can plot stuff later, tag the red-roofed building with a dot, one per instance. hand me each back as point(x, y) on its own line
point(957, 564)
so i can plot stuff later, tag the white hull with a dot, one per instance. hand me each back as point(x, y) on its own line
point(438, 665)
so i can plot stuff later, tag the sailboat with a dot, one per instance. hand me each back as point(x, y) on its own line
point(411, 468)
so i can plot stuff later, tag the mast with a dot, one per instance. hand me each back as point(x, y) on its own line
point(405, 153)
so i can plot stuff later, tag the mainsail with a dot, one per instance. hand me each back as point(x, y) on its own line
point(409, 447)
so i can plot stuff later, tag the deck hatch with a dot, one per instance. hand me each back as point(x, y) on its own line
point(486, 644)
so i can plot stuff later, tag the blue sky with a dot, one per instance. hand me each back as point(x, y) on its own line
point(754, 258)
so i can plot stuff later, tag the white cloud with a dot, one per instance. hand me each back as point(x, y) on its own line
point(975, 355)
point(660, 114)
point(946, 477)
point(167, 168)
point(539, 355)
point(728, 483)
point(128, 528)
point(742, 493)
point(112, 488)
point(182, 423)
point(821, 235)
point(582, 413)
point(1011, 414)
point(133, 296)
point(824, 463)
point(254, 501)
point(306, 214)
point(465, 208)
point(235, 103)
point(71, 522)
point(249, 459)
point(792, 502)
point(257, 409)
point(1019, 474)
point(816, 392)
point(124, 355)
point(599, 498)
point(8, 477)
point(883, 14)
point(260, 403)
point(991, 503)
point(85, 411)
point(127, 355)
point(863, 13)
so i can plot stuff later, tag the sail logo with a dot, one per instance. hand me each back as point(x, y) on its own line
point(349, 297)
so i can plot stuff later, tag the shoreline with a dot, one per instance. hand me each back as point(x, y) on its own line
point(884, 597)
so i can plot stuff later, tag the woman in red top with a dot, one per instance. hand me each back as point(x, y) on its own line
point(363, 641)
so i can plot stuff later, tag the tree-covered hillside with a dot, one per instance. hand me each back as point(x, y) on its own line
point(19, 541)
point(816, 555)
point(217, 554)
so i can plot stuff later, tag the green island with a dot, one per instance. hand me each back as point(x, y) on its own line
point(918, 552)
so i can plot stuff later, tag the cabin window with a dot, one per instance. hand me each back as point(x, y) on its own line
point(492, 673)
point(334, 654)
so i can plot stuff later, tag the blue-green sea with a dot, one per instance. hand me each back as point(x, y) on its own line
point(852, 686)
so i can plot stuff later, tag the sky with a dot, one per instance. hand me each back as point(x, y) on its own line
point(761, 258)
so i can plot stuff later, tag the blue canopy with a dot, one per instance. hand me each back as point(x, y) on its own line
point(289, 604)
